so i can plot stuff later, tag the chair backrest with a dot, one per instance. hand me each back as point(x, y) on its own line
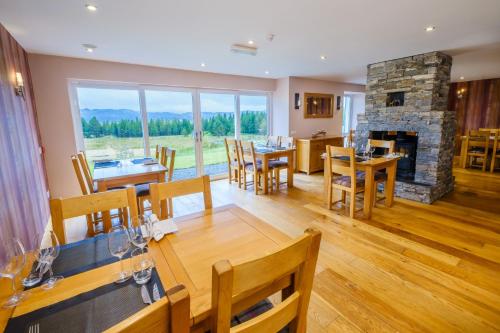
point(163, 191)
point(389, 145)
point(477, 138)
point(169, 314)
point(157, 152)
point(247, 153)
point(62, 209)
point(351, 137)
point(79, 174)
point(290, 268)
point(287, 142)
point(491, 130)
point(273, 140)
point(86, 171)
point(167, 159)
point(232, 151)
point(341, 167)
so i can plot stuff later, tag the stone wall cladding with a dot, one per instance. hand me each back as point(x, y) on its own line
point(425, 79)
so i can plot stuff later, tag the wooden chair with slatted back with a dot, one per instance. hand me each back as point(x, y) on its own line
point(157, 152)
point(85, 190)
point(233, 161)
point(342, 175)
point(86, 172)
point(287, 142)
point(350, 138)
point(289, 269)
point(62, 209)
point(477, 143)
point(273, 140)
point(381, 177)
point(164, 191)
point(495, 153)
point(252, 166)
point(170, 314)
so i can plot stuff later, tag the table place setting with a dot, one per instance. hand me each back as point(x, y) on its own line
point(161, 228)
point(135, 283)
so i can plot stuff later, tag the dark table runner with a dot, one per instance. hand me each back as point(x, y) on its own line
point(92, 311)
point(142, 160)
point(82, 256)
point(107, 164)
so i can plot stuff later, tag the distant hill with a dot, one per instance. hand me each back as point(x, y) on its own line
point(112, 115)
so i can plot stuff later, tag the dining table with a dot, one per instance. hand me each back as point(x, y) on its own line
point(267, 153)
point(463, 149)
point(113, 174)
point(184, 257)
point(369, 166)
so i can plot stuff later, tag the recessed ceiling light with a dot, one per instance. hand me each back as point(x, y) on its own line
point(251, 42)
point(266, 72)
point(91, 8)
point(461, 78)
point(430, 28)
point(89, 47)
point(323, 57)
point(203, 64)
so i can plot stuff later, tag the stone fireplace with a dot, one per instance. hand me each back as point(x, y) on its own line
point(406, 101)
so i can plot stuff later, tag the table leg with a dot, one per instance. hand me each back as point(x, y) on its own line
point(106, 216)
point(326, 181)
point(290, 170)
point(265, 170)
point(463, 153)
point(163, 203)
point(389, 185)
point(368, 196)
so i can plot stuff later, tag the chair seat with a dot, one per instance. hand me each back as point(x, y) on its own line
point(96, 188)
point(142, 190)
point(278, 164)
point(360, 179)
point(253, 312)
point(249, 167)
point(476, 150)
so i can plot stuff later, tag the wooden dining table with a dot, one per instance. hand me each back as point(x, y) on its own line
point(185, 257)
point(371, 166)
point(266, 154)
point(127, 173)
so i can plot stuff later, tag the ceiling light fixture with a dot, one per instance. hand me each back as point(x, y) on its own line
point(251, 42)
point(203, 64)
point(323, 57)
point(266, 72)
point(461, 78)
point(89, 47)
point(430, 28)
point(91, 8)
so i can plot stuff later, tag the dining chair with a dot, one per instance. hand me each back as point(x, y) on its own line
point(61, 209)
point(157, 152)
point(495, 153)
point(170, 314)
point(86, 172)
point(381, 176)
point(273, 140)
point(91, 219)
point(342, 175)
point(233, 161)
point(252, 166)
point(170, 190)
point(290, 269)
point(287, 142)
point(477, 143)
point(351, 138)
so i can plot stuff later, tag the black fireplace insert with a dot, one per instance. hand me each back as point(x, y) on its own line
point(406, 148)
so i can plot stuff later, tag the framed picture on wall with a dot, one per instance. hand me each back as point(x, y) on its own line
point(318, 105)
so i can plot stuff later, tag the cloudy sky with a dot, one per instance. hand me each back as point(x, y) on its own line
point(157, 101)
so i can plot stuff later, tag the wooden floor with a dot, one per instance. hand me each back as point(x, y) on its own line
point(411, 268)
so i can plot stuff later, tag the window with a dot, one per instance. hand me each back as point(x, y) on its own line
point(254, 117)
point(346, 115)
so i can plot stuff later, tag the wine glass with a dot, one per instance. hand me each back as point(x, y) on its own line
point(50, 249)
point(372, 150)
point(12, 262)
point(39, 253)
point(140, 232)
point(119, 244)
point(142, 264)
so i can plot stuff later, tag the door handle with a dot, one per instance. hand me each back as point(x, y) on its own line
point(195, 136)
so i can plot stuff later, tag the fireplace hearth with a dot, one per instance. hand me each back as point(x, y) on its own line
point(406, 101)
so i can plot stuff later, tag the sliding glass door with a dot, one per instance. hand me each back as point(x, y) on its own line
point(122, 122)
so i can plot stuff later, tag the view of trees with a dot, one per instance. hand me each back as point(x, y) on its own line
point(218, 125)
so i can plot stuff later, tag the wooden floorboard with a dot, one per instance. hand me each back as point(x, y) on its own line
point(411, 268)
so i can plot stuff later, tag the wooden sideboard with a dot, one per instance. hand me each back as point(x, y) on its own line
point(309, 152)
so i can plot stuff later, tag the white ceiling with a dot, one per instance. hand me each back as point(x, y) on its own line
point(185, 33)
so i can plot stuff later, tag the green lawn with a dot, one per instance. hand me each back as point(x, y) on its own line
point(112, 147)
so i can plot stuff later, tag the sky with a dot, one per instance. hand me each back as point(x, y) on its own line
point(157, 101)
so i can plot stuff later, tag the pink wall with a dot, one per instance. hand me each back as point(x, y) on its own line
point(300, 127)
point(50, 78)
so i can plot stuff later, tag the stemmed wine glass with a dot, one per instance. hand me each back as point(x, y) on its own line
point(39, 253)
point(12, 261)
point(372, 150)
point(50, 250)
point(140, 232)
point(119, 244)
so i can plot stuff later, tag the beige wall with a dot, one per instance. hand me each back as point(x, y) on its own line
point(300, 127)
point(281, 106)
point(50, 80)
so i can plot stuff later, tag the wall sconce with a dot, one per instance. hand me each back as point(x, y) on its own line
point(297, 101)
point(19, 89)
point(460, 92)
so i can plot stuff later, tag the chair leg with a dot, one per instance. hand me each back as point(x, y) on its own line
point(492, 165)
point(230, 178)
point(352, 205)
point(484, 162)
point(238, 176)
point(256, 182)
point(277, 178)
point(374, 193)
point(244, 180)
point(343, 196)
point(329, 196)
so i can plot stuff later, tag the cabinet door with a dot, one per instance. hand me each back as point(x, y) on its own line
point(317, 148)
